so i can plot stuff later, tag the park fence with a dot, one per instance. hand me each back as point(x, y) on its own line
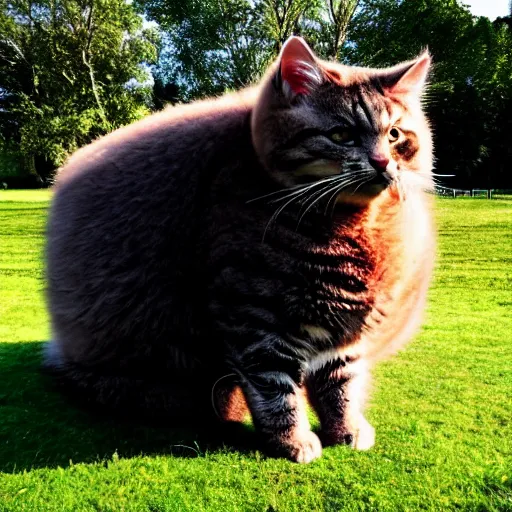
point(485, 193)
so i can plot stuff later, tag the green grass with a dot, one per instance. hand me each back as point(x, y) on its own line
point(442, 408)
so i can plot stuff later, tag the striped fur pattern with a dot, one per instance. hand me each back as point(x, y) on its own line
point(247, 254)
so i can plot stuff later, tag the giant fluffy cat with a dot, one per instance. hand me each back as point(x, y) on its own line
point(279, 236)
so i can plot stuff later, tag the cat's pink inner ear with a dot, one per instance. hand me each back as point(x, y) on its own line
point(412, 80)
point(299, 69)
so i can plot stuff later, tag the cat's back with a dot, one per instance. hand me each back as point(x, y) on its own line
point(174, 141)
point(149, 171)
point(125, 217)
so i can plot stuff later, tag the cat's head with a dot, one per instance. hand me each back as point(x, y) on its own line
point(364, 128)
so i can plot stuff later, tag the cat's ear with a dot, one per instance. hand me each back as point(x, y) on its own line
point(408, 78)
point(299, 72)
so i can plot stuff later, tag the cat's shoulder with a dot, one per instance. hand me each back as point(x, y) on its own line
point(199, 119)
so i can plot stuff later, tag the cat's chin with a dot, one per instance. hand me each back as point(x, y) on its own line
point(364, 195)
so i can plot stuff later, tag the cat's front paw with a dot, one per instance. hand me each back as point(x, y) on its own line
point(365, 436)
point(305, 447)
point(302, 447)
point(359, 435)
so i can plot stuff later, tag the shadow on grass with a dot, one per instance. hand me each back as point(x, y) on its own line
point(41, 428)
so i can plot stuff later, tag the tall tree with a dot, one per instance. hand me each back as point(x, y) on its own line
point(469, 95)
point(214, 45)
point(281, 18)
point(70, 70)
point(209, 45)
point(340, 14)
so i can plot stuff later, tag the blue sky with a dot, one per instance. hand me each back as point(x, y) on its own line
point(490, 8)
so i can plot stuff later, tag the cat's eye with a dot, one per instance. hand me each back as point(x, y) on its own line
point(394, 134)
point(342, 136)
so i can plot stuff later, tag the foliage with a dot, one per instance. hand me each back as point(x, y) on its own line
point(71, 70)
point(441, 407)
point(340, 15)
point(212, 46)
point(470, 97)
point(226, 44)
point(64, 70)
point(205, 42)
point(10, 161)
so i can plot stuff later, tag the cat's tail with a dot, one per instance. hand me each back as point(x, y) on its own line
point(125, 396)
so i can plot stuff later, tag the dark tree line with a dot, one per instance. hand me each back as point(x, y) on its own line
point(71, 70)
point(470, 97)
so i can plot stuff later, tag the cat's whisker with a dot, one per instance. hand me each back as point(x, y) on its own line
point(274, 216)
point(371, 175)
point(420, 175)
point(345, 179)
point(354, 181)
point(434, 180)
point(318, 192)
point(345, 184)
point(318, 195)
point(412, 180)
point(434, 175)
point(347, 176)
point(305, 189)
point(431, 184)
point(281, 191)
point(295, 188)
point(313, 199)
point(297, 196)
point(334, 194)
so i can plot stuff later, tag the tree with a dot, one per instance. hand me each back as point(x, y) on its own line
point(340, 15)
point(469, 98)
point(281, 19)
point(215, 45)
point(209, 45)
point(70, 70)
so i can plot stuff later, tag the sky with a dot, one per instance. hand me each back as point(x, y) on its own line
point(490, 8)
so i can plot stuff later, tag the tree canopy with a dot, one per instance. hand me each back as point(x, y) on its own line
point(470, 96)
point(73, 69)
point(70, 70)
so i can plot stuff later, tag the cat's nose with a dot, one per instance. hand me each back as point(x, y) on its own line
point(378, 162)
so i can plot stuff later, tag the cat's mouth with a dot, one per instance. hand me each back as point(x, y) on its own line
point(385, 179)
point(371, 187)
point(376, 183)
point(381, 178)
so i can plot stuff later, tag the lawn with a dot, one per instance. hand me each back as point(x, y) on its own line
point(442, 408)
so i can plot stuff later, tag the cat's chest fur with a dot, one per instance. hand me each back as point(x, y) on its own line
point(398, 247)
point(324, 292)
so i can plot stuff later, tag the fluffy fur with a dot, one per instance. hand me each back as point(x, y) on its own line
point(248, 251)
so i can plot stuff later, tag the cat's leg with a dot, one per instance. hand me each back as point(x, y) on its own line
point(228, 400)
point(337, 391)
point(279, 414)
point(277, 403)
